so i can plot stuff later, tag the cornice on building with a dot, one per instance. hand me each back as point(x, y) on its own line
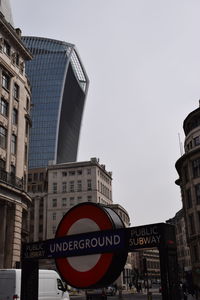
point(15, 35)
point(92, 162)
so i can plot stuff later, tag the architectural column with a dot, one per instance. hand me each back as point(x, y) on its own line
point(3, 214)
point(9, 236)
point(17, 234)
point(13, 235)
point(36, 217)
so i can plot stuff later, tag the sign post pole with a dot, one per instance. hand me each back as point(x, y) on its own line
point(29, 279)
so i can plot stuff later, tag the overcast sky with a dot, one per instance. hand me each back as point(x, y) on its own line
point(143, 61)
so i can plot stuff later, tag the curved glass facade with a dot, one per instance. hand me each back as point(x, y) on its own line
point(59, 87)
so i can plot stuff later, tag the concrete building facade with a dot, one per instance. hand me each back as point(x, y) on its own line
point(66, 185)
point(15, 121)
point(188, 168)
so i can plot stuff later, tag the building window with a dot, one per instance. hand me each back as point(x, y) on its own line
point(17, 59)
point(16, 91)
point(53, 229)
point(89, 184)
point(196, 167)
point(3, 137)
point(71, 186)
point(64, 187)
point(89, 198)
point(191, 222)
point(27, 104)
point(40, 228)
point(54, 202)
point(2, 164)
point(13, 144)
point(89, 171)
point(64, 174)
point(25, 154)
point(79, 199)
point(54, 216)
point(54, 174)
point(197, 140)
point(6, 48)
point(197, 193)
point(5, 81)
point(64, 202)
point(3, 107)
point(12, 170)
point(79, 172)
point(40, 188)
point(41, 176)
point(54, 187)
point(195, 252)
point(188, 198)
point(71, 201)
point(29, 177)
point(79, 185)
point(27, 128)
point(15, 116)
point(35, 177)
point(71, 173)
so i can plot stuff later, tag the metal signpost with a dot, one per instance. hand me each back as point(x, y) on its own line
point(92, 229)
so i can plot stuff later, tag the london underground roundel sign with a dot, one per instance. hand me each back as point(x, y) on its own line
point(94, 270)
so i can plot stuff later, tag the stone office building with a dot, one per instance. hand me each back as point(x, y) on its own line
point(14, 131)
point(188, 168)
point(58, 188)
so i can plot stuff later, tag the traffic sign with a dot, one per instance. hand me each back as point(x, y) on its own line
point(96, 242)
point(97, 269)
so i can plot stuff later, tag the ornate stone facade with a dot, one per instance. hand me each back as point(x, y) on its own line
point(14, 133)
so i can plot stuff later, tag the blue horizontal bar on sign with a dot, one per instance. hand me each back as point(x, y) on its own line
point(105, 241)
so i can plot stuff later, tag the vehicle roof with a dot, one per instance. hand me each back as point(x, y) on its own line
point(19, 271)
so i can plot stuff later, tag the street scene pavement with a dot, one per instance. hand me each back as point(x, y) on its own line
point(126, 295)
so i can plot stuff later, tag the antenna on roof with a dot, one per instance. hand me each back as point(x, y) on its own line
point(180, 143)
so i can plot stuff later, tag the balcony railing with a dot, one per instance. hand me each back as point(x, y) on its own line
point(11, 179)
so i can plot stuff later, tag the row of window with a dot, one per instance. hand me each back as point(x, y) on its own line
point(189, 202)
point(192, 224)
point(13, 143)
point(104, 177)
point(3, 140)
point(72, 173)
point(4, 107)
point(5, 82)
point(182, 252)
point(195, 170)
point(68, 202)
point(3, 167)
point(193, 143)
point(36, 177)
point(71, 186)
point(80, 172)
point(14, 56)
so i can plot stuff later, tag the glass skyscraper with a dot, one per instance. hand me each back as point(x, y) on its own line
point(59, 88)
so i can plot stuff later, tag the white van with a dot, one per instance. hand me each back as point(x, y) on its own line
point(50, 285)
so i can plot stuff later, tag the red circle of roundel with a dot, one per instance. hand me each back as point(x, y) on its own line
point(94, 275)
